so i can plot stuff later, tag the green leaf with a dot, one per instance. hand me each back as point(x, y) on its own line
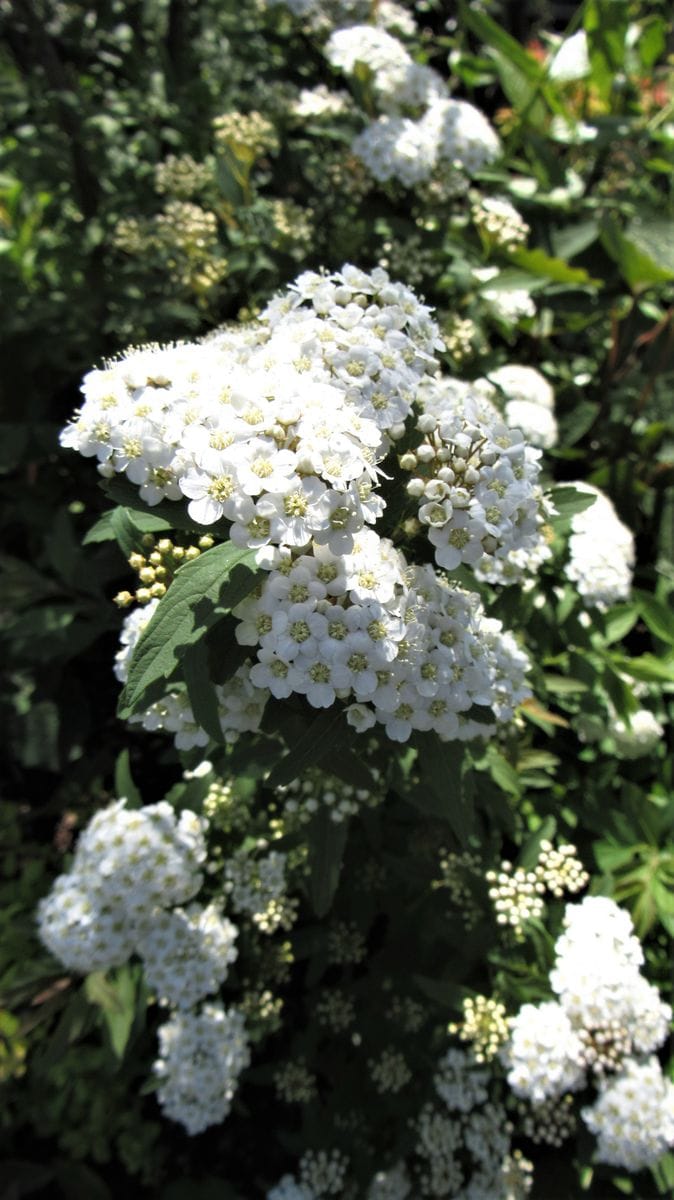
point(314, 742)
point(647, 668)
point(144, 522)
point(576, 423)
point(504, 775)
point(172, 511)
point(125, 531)
point(326, 840)
point(658, 617)
point(610, 857)
point(637, 267)
point(200, 593)
point(79, 1182)
point(200, 689)
point(444, 795)
point(117, 999)
point(573, 239)
point(569, 501)
point(537, 262)
point(531, 849)
point(495, 36)
point(606, 23)
point(562, 685)
point(618, 622)
point(125, 787)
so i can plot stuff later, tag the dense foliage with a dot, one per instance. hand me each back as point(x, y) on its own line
point(338, 830)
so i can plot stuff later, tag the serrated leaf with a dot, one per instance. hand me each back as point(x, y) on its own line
point(315, 741)
point(200, 689)
point(145, 522)
point(172, 511)
point(200, 593)
point(445, 796)
point(637, 267)
point(326, 840)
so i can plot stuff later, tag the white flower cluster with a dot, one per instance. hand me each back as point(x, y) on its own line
point(508, 303)
point(421, 130)
point(407, 649)
point(638, 737)
point(128, 866)
point(601, 552)
point(256, 885)
point(322, 1174)
point(282, 434)
point(201, 1056)
point(132, 869)
point(529, 403)
point(499, 221)
point(607, 1018)
point(316, 103)
point(464, 1150)
point(633, 1119)
point(476, 481)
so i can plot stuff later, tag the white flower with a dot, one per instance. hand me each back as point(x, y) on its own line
point(544, 1056)
point(638, 737)
point(601, 552)
point(186, 953)
point(201, 1056)
point(633, 1117)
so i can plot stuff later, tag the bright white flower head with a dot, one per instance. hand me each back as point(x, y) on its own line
point(201, 1056)
point(633, 1118)
point(638, 737)
point(186, 953)
point(79, 929)
point(601, 552)
point(545, 1054)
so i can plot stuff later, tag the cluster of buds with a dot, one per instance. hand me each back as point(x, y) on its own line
point(517, 893)
point(389, 1072)
point(517, 896)
point(560, 870)
point(294, 1083)
point(460, 335)
point(484, 1025)
point(182, 176)
point(605, 1046)
point(156, 568)
point(249, 131)
point(550, 1122)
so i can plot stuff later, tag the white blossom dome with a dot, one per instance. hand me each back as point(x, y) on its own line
point(633, 1118)
point(601, 552)
point(201, 1056)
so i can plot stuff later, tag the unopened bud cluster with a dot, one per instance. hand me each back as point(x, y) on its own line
point(294, 1082)
point(551, 1122)
point(517, 893)
point(155, 569)
point(484, 1025)
point(182, 176)
point(250, 131)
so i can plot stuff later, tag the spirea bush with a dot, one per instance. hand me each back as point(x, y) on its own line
point(339, 830)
